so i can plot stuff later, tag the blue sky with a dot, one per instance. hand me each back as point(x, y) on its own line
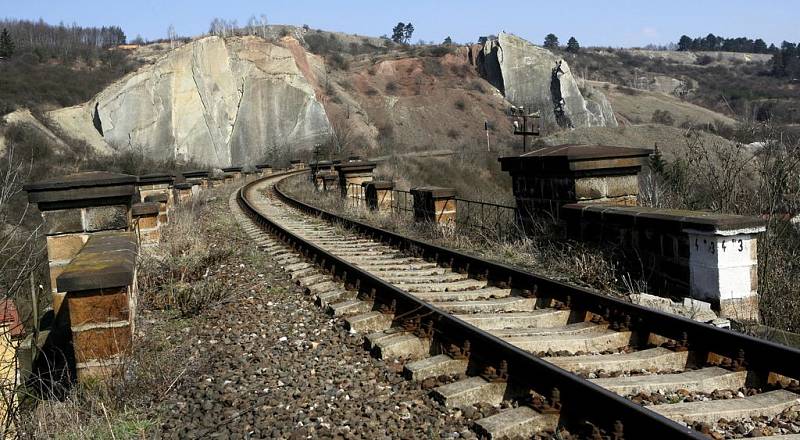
point(619, 23)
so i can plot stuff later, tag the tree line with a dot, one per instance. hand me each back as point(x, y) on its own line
point(59, 41)
point(712, 42)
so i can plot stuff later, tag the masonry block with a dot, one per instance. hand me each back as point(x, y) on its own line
point(101, 342)
point(353, 174)
point(549, 177)
point(61, 221)
point(106, 218)
point(434, 204)
point(379, 195)
point(62, 248)
point(98, 306)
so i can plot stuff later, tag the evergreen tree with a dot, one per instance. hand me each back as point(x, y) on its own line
point(6, 44)
point(685, 43)
point(551, 41)
point(573, 46)
point(398, 32)
point(760, 46)
point(408, 32)
point(448, 41)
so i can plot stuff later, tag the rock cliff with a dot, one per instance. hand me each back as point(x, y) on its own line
point(219, 102)
point(535, 78)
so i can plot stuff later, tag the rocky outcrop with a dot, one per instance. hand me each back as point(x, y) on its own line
point(214, 101)
point(533, 77)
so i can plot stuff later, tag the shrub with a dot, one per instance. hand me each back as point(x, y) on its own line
point(460, 104)
point(477, 86)
point(337, 61)
point(453, 133)
point(663, 117)
point(391, 87)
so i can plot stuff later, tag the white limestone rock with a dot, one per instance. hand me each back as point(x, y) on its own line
point(214, 101)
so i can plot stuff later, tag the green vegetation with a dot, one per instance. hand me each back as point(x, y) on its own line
point(57, 65)
point(714, 43)
point(550, 41)
point(573, 46)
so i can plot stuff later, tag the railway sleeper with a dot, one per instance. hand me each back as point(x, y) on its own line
point(466, 284)
point(469, 391)
point(594, 343)
point(498, 305)
point(368, 322)
point(523, 319)
point(434, 366)
point(486, 293)
point(704, 380)
point(349, 307)
point(333, 296)
point(652, 359)
point(520, 422)
point(768, 404)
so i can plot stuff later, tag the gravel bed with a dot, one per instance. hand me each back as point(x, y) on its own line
point(272, 365)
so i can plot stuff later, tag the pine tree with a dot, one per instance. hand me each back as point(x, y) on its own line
point(408, 32)
point(6, 44)
point(398, 32)
point(448, 41)
point(551, 41)
point(573, 46)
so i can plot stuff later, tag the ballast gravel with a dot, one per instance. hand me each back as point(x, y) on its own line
point(272, 365)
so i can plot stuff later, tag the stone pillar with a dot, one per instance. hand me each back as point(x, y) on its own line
point(183, 193)
point(235, 172)
point(723, 267)
point(101, 301)
point(434, 205)
point(228, 178)
point(154, 188)
point(330, 182)
point(199, 176)
point(74, 208)
point(379, 195)
point(296, 165)
point(353, 173)
point(165, 205)
point(547, 178)
point(265, 169)
point(146, 222)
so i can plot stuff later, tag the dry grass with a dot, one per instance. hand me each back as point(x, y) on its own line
point(177, 284)
point(542, 252)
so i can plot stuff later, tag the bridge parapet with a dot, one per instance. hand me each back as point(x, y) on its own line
point(707, 256)
point(101, 292)
point(77, 206)
point(549, 177)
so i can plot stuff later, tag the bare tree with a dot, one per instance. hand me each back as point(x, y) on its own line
point(171, 36)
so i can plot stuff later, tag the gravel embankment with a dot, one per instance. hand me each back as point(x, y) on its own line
point(272, 365)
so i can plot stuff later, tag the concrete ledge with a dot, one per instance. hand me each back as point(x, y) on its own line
point(675, 220)
point(576, 160)
point(107, 260)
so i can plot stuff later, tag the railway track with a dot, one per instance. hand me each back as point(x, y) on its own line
point(565, 357)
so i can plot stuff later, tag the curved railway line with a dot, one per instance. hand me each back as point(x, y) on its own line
point(511, 335)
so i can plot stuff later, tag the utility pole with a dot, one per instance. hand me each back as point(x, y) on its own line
point(486, 128)
point(521, 125)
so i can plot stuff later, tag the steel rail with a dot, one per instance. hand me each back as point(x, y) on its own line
point(582, 400)
point(761, 356)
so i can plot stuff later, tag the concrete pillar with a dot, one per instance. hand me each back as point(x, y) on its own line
point(165, 205)
point(199, 176)
point(723, 266)
point(547, 178)
point(296, 165)
point(228, 178)
point(434, 205)
point(146, 222)
point(100, 286)
point(74, 208)
point(379, 195)
point(353, 173)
